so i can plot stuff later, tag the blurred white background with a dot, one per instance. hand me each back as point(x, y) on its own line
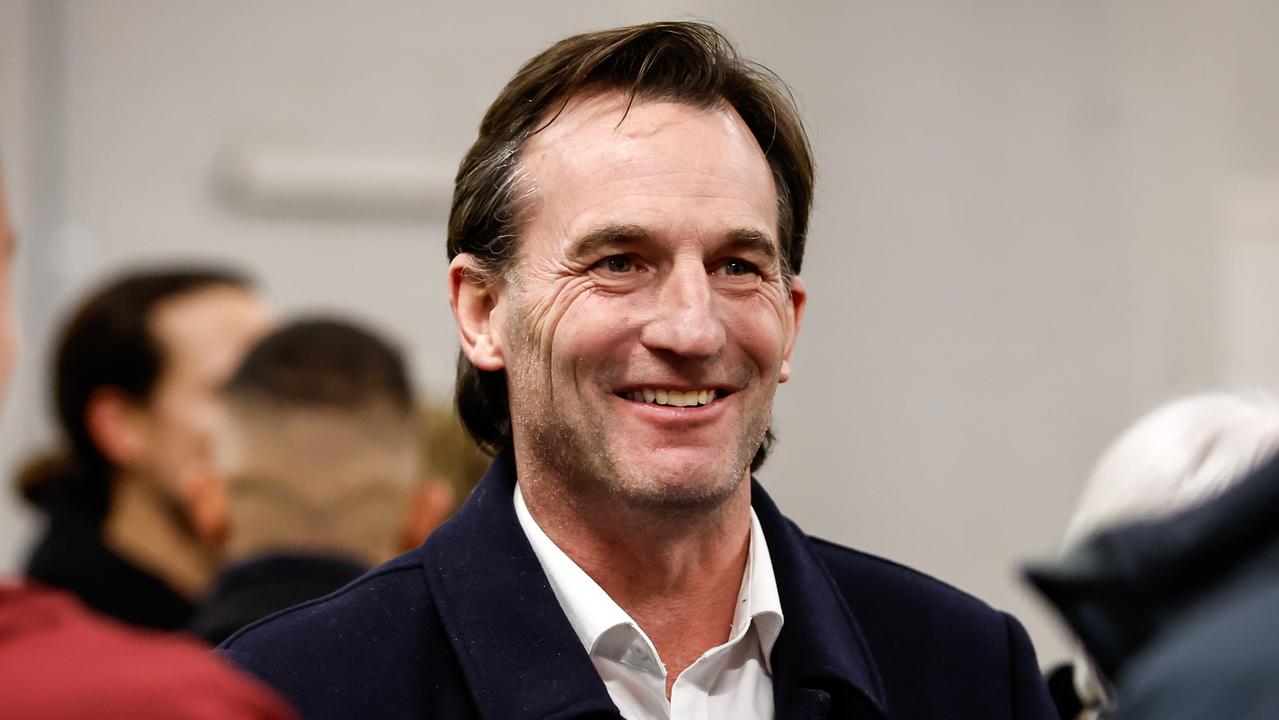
point(1034, 222)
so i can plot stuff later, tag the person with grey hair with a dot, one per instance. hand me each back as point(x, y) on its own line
point(1181, 455)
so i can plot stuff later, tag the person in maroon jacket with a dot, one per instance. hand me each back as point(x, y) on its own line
point(59, 660)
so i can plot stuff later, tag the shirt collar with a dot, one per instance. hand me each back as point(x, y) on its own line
point(759, 602)
point(604, 628)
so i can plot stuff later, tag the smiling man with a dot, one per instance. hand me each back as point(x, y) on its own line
point(626, 237)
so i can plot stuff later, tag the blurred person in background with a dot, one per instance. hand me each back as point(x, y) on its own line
point(318, 459)
point(453, 466)
point(1178, 456)
point(625, 239)
point(58, 661)
point(136, 378)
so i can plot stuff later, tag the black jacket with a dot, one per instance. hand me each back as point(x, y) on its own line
point(466, 626)
point(265, 584)
point(1179, 613)
point(71, 556)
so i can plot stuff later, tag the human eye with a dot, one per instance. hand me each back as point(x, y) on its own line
point(736, 268)
point(617, 264)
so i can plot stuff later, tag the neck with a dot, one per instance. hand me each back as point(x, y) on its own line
point(151, 531)
point(677, 574)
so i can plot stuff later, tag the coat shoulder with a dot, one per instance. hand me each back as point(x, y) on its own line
point(363, 641)
point(365, 602)
point(915, 596)
point(923, 630)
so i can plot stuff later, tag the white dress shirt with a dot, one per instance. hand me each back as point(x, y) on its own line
point(733, 680)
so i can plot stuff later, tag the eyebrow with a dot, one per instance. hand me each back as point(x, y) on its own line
point(609, 236)
point(747, 239)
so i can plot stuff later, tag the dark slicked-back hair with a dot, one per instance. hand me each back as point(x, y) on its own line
point(324, 363)
point(685, 62)
point(108, 343)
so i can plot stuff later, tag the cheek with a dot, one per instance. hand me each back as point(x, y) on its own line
point(758, 327)
point(192, 415)
point(596, 329)
point(547, 322)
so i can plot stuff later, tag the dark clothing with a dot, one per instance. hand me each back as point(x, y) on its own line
point(466, 626)
point(1179, 612)
point(266, 584)
point(1061, 686)
point(72, 556)
point(58, 660)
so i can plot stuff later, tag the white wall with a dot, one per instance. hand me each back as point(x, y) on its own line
point(1016, 249)
point(17, 144)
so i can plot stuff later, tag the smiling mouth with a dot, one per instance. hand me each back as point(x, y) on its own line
point(674, 398)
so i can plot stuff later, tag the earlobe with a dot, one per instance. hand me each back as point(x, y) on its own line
point(430, 505)
point(474, 296)
point(207, 503)
point(114, 422)
point(795, 306)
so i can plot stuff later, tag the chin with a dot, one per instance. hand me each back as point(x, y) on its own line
point(681, 487)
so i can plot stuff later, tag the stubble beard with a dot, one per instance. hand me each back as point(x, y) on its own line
point(577, 454)
point(584, 462)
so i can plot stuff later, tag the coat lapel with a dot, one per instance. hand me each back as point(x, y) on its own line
point(821, 661)
point(522, 659)
point(517, 649)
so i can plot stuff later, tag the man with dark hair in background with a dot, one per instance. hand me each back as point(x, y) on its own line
point(317, 458)
point(626, 239)
point(136, 379)
point(59, 661)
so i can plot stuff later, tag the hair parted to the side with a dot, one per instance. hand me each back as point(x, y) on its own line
point(685, 62)
point(108, 343)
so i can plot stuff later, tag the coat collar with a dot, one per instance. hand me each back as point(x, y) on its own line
point(821, 649)
point(523, 660)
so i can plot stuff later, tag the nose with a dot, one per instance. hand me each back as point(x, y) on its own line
point(684, 320)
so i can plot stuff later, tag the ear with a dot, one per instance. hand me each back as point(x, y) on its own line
point(475, 297)
point(795, 314)
point(206, 500)
point(116, 424)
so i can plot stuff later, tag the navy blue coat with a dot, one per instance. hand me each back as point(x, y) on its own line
point(466, 626)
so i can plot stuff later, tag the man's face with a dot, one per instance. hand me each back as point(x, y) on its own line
point(646, 325)
point(203, 336)
point(8, 245)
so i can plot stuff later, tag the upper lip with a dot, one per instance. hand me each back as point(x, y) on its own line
point(719, 388)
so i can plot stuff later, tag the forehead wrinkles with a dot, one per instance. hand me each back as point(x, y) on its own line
point(598, 143)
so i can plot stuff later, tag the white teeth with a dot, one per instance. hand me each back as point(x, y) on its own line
point(673, 398)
